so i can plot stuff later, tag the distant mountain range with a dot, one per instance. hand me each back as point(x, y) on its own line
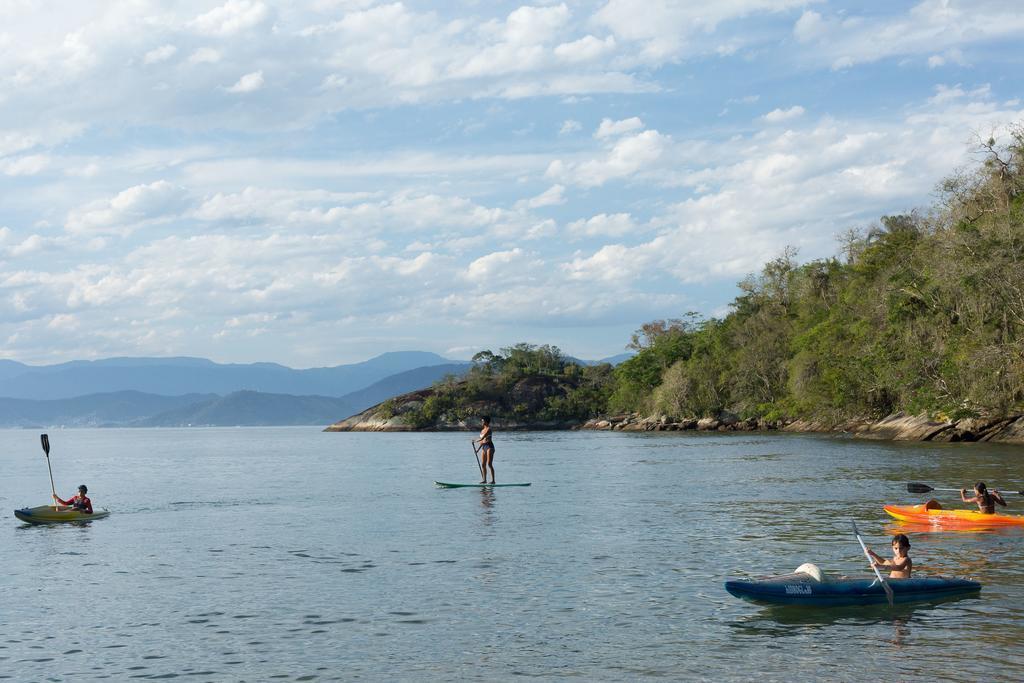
point(93, 410)
point(238, 408)
point(612, 360)
point(178, 376)
point(172, 392)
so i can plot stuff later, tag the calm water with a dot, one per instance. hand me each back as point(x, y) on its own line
point(290, 554)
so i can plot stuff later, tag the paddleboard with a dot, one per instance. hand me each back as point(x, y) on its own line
point(447, 485)
point(45, 514)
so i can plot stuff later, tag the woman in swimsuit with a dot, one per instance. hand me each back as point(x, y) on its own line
point(486, 450)
point(985, 499)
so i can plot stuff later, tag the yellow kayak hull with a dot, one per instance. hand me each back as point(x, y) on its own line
point(933, 513)
point(46, 514)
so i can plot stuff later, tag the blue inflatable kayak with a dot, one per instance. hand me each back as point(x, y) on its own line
point(802, 589)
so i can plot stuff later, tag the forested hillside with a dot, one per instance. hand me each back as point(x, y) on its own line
point(922, 313)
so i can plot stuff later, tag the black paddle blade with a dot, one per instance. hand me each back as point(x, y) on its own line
point(919, 488)
point(46, 443)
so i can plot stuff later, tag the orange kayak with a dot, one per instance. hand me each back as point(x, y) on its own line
point(933, 513)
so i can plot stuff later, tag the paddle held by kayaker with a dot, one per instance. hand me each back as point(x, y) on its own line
point(79, 501)
point(985, 499)
point(486, 450)
point(900, 564)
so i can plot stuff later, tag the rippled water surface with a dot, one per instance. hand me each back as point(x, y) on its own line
point(291, 554)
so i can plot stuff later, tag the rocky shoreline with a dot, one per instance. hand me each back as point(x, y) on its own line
point(897, 427)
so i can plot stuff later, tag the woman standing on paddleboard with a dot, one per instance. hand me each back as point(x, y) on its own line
point(486, 450)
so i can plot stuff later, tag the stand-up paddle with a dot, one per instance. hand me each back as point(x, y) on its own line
point(476, 454)
point(885, 586)
point(915, 487)
point(46, 449)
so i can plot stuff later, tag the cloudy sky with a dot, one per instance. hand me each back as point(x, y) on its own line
point(315, 183)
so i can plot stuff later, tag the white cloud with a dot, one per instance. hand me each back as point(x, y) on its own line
point(87, 170)
point(931, 27)
point(585, 49)
point(951, 56)
point(496, 264)
point(29, 245)
point(609, 128)
point(231, 18)
point(159, 54)
point(27, 165)
point(843, 62)
point(334, 82)
point(248, 83)
point(604, 225)
point(128, 209)
point(64, 323)
point(205, 55)
point(448, 218)
point(570, 126)
point(667, 29)
point(630, 155)
point(780, 115)
point(532, 25)
point(12, 142)
point(553, 196)
point(809, 27)
point(544, 229)
point(614, 263)
point(945, 94)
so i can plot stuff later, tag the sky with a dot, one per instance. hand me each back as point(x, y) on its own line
point(315, 183)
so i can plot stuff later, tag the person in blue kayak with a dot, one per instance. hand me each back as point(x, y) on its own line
point(985, 499)
point(486, 449)
point(79, 501)
point(900, 565)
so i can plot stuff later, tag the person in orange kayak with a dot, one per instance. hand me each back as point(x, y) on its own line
point(486, 449)
point(985, 499)
point(900, 564)
point(78, 502)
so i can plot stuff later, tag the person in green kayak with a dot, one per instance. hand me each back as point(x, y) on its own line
point(486, 449)
point(900, 565)
point(79, 501)
point(985, 499)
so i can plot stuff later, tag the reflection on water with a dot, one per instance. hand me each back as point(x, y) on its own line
point(904, 527)
point(903, 614)
point(487, 503)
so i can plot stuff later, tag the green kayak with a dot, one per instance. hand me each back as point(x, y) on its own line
point(46, 514)
point(446, 485)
